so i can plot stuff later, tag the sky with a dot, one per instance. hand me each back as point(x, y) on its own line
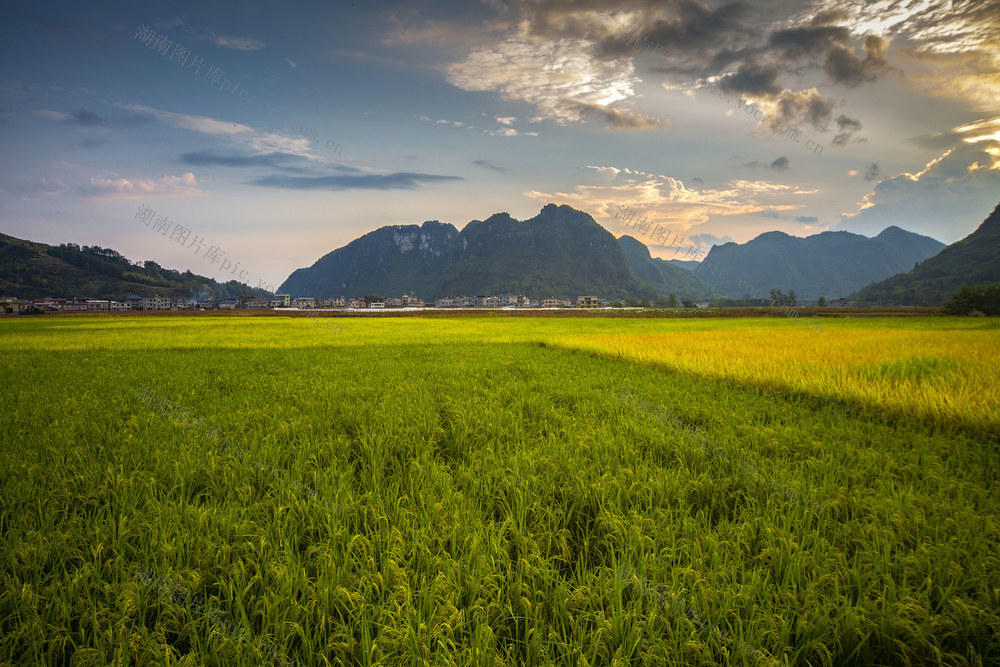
point(246, 140)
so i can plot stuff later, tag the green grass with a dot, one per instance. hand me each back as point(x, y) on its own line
point(462, 491)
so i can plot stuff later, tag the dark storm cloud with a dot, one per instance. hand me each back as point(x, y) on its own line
point(807, 219)
point(843, 66)
point(808, 105)
point(687, 31)
point(795, 43)
point(396, 181)
point(692, 41)
point(689, 24)
point(780, 164)
point(753, 79)
point(872, 173)
point(847, 123)
point(848, 127)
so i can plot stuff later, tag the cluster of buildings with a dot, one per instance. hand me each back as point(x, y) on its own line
point(11, 305)
point(515, 301)
point(512, 301)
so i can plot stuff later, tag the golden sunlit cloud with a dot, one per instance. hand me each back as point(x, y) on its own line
point(666, 200)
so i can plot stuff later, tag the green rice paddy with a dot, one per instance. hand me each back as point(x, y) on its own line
point(498, 491)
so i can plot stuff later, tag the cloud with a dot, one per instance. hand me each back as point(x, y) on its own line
point(43, 187)
point(956, 46)
point(291, 63)
point(753, 79)
point(849, 127)
point(91, 120)
point(845, 123)
point(961, 183)
point(248, 137)
point(443, 121)
point(505, 132)
point(796, 43)
point(237, 43)
point(872, 173)
point(708, 240)
point(620, 119)
point(806, 218)
point(54, 115)
point(605, 174)
point(572, 59)
point(85, 118)
point(690, 25)
point(122, 188)
point(560, 78)
point(666, 200)
point(843, 66)
point(489, 165)
point(807, 105)
point(394, 181)
point(780, 163)
point(262, 160)
point(936, 141)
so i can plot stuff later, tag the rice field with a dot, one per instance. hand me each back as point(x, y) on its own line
point(499, 491)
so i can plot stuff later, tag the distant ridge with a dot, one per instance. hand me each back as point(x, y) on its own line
point(665, 275)
point(830, 264)
point(975, 260)
point(30, 270)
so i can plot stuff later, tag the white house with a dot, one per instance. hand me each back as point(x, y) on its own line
point(156, 303)
point(254, 303)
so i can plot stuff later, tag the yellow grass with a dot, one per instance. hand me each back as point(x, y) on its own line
point(927, 369)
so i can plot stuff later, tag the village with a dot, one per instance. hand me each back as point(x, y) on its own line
point(13, 305)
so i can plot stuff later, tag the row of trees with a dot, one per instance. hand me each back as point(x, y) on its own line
point(981, 299)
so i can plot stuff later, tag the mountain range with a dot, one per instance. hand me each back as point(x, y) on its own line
point(830, 264)
point(561, 252)
point(975, 260)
